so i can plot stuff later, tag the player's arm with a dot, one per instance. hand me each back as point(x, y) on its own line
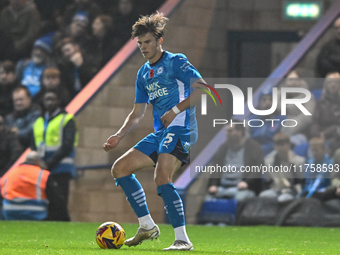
point(190, 101)
point(194, 97)
point(130, 122)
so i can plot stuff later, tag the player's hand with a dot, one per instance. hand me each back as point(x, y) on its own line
point(77, 59)
point(111, 142)
point(242, 185)
point(168, 117)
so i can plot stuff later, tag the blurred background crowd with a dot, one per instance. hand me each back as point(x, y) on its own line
point(58, 45)
point(50, 50)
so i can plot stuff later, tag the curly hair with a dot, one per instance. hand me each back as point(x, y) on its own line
point(154, 24)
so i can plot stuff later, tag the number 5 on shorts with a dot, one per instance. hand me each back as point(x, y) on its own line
point(169, 138)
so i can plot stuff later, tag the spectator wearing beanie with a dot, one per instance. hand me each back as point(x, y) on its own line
point(29, 71)
point(90, 7)
point(78, 30)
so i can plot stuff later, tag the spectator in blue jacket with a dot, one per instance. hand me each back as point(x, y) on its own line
point(29, 71)
point(317, 169)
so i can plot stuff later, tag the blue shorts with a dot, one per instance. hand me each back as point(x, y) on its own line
point(174, 140)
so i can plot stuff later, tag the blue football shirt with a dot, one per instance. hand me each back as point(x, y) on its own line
point(165, 84)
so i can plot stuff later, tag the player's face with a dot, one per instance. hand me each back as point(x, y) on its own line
point(150, 47)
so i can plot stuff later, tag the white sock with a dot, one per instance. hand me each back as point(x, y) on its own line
point(181, 234)
point(146, 222)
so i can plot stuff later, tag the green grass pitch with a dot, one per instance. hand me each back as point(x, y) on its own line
point(79, 238)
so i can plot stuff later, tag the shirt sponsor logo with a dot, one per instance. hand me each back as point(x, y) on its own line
point(155, 91)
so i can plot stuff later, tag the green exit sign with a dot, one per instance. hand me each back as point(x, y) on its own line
point(302, 10)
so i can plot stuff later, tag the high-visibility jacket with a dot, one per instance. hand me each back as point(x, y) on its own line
point(48, 140)
point(24, 193)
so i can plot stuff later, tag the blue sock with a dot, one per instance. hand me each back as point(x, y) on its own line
point(134, 194)
point(172, 204)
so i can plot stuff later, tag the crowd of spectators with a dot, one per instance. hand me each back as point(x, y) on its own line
point(314, 141)
point(312, 147)
point(48, 53)
point(60, 45)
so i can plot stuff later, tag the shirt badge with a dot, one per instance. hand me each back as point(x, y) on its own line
point(152, 73)
point(160, 70)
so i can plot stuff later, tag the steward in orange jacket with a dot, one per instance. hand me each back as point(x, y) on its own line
point(30, 193)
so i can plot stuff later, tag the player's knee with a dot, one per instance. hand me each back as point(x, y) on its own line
point(114, 171)
point(117, 169)
point(161, 179)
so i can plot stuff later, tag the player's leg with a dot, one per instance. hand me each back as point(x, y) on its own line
point(173, 152)
point(129, 162)
point(166, 166)
point(123, 170)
